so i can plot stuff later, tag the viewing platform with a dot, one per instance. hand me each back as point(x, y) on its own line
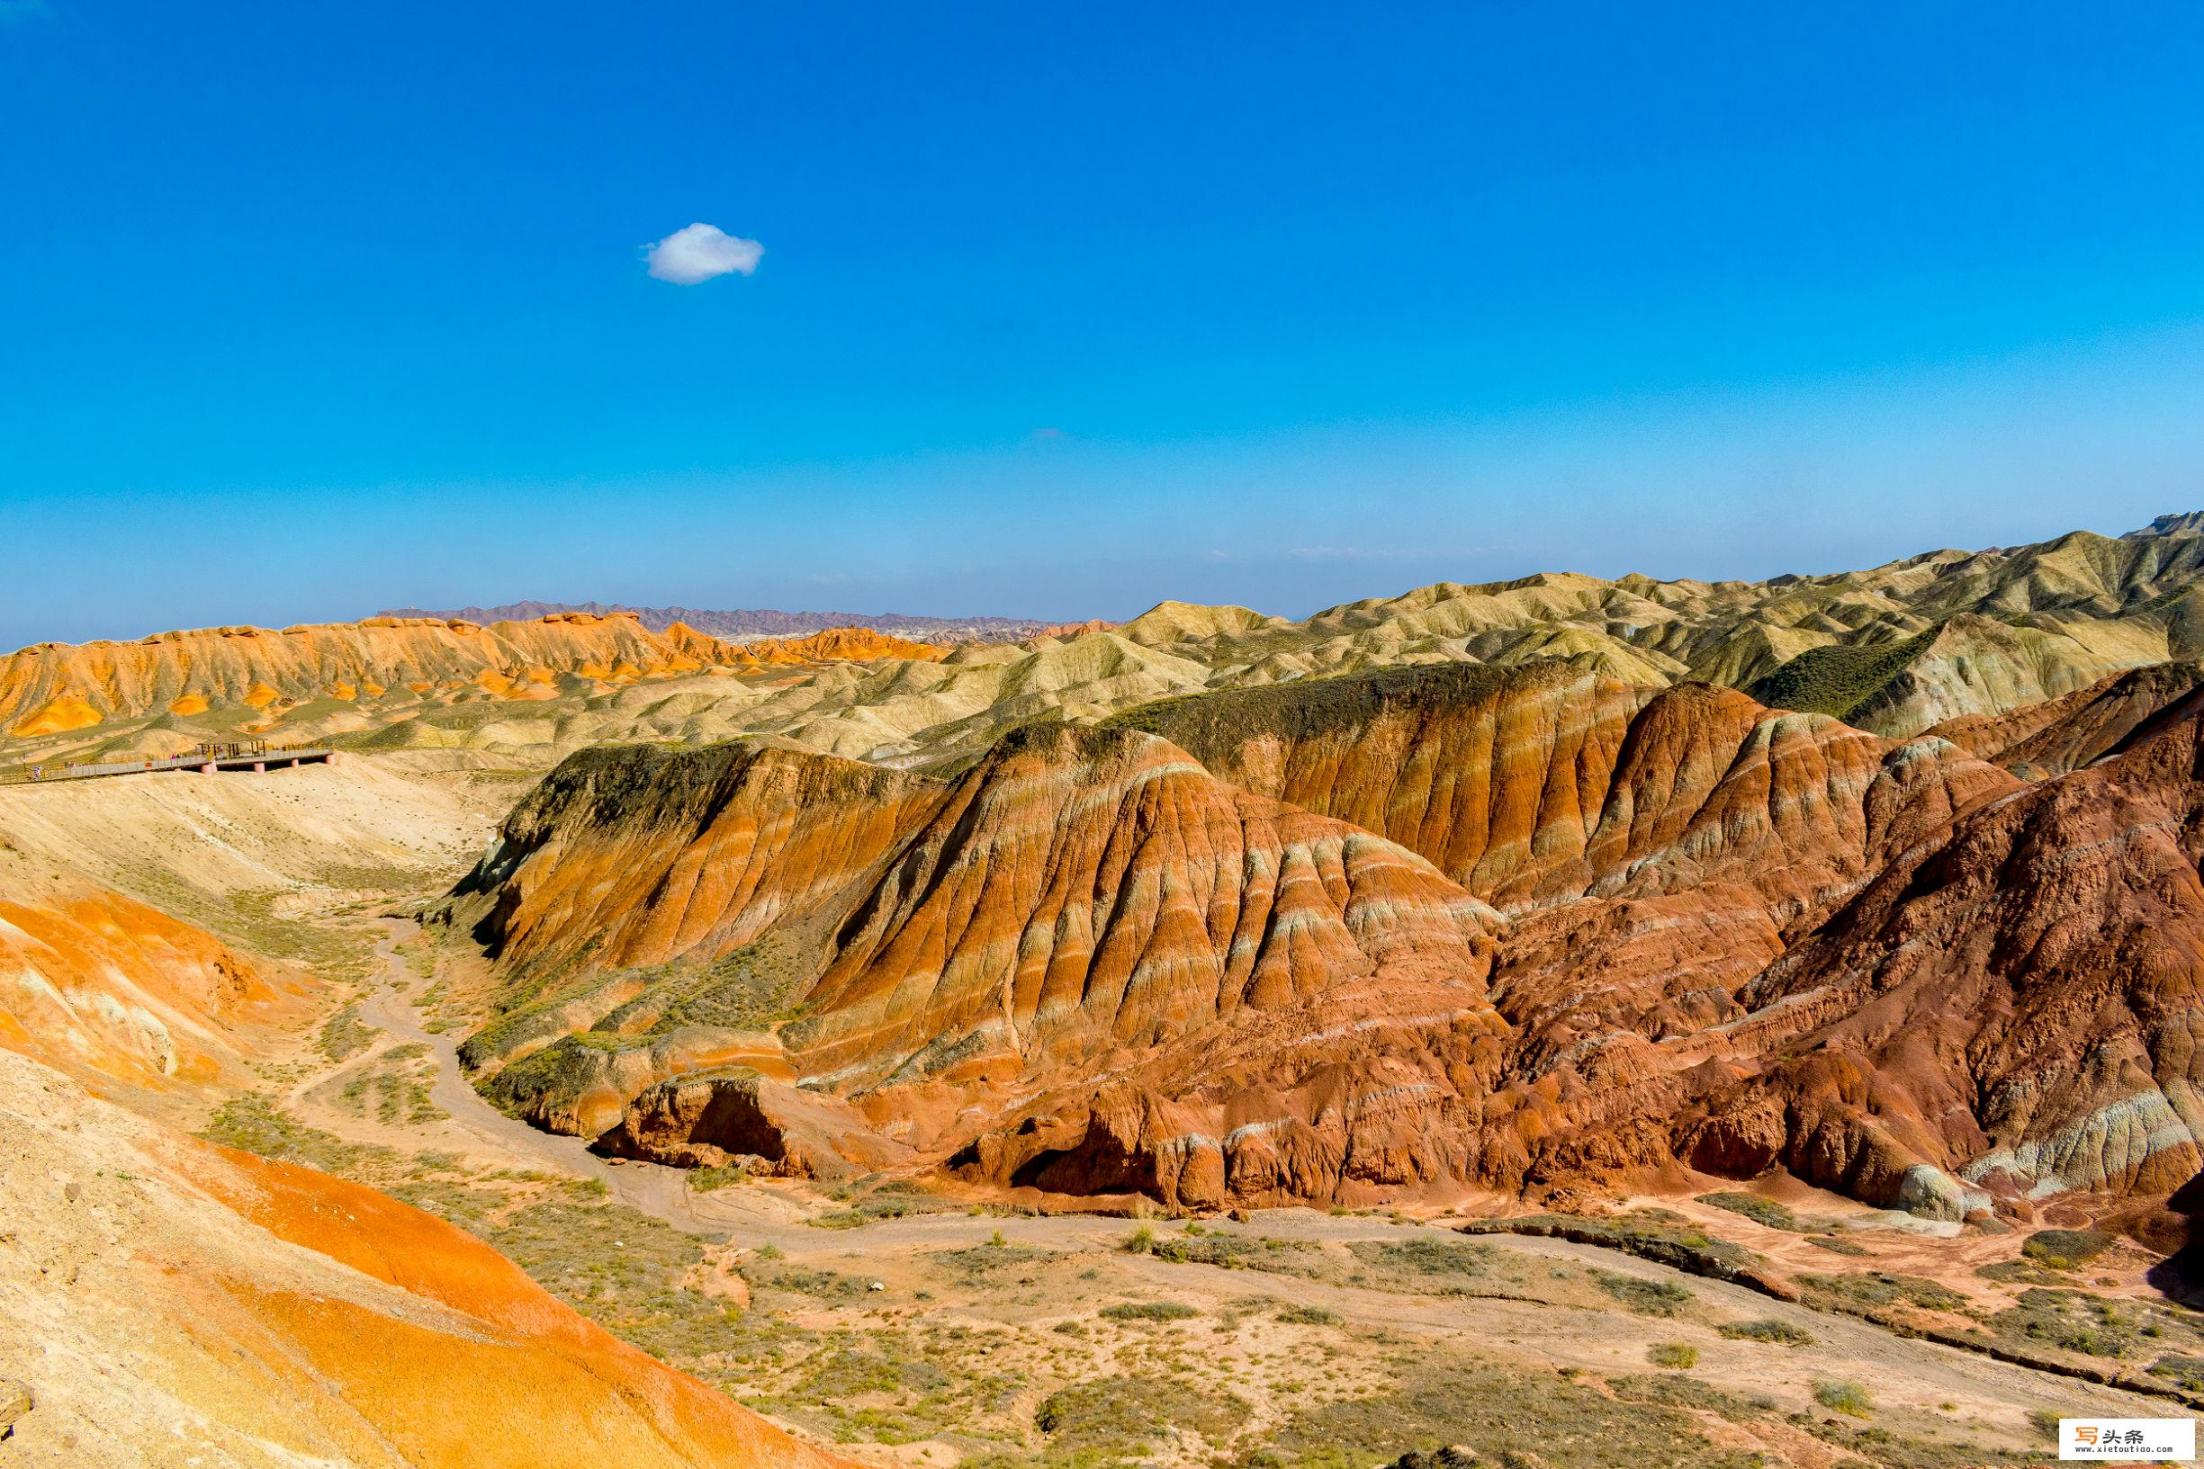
point(248, 755)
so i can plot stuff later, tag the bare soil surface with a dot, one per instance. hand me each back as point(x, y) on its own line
point(913, 1328)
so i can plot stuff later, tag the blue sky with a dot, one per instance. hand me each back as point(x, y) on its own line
point(311, 309)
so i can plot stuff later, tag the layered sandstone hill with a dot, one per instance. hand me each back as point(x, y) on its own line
point(1892, 649)
point(839, 645)
point(1086, 893)
point(106, 987)
point(745, 624)
point(54, 687)
point(1083, 902)
point(2016, 1002)
point(137, 917)
point(256, 676)
point(172, 1302)
point(1091, 964)
point(1547, 780)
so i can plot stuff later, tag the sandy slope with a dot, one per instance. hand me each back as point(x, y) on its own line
point(171, 1303)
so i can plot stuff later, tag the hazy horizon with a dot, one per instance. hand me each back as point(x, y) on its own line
point(1379, 590)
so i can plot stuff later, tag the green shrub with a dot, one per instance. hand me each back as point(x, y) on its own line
point(881, 1204)
point(1848, 1398)
point(2063, 1249)
point(983, 1262)
point(1645, 1297)
point(2076, 1321)
point(1768, 1330)
point(1427, 1256)
point(1837, 1244)
point(1113, 1419)
point(346, 1035)
point(1880, 1288)
point(1676, 1355)
point(718, 1176)
point(2186, 1373)
point(1236, 1252)
point(1149, 1311)
point(1308, 1316)
point(1758, 1210)
point(1659, 1235)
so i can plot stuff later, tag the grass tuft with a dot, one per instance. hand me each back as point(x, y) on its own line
point(1644, 1297)
point(1848, 1398)
point(1149, 1311)
point(1767, 1330)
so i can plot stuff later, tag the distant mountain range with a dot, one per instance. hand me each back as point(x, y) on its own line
point(758, 622)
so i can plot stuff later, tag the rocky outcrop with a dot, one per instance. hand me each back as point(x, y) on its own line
point(732, 1115)
point(582, 1082)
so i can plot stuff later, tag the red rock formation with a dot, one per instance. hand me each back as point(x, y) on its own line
point(714, 1117)
point(1546, 781)
point(2067, 733)
point(1740, 939)
point(647, 854)
point(1081, 891)
point(2016, 1002)
point(1080, 902)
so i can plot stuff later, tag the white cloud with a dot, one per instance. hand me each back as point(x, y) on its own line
point(695, 254)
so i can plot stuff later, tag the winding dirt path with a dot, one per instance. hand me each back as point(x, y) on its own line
point(661, 1193)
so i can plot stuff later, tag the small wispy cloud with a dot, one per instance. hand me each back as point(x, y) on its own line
point(697, 253)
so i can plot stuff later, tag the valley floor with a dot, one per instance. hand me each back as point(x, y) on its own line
point(912, 1329)
point(904, 1327)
